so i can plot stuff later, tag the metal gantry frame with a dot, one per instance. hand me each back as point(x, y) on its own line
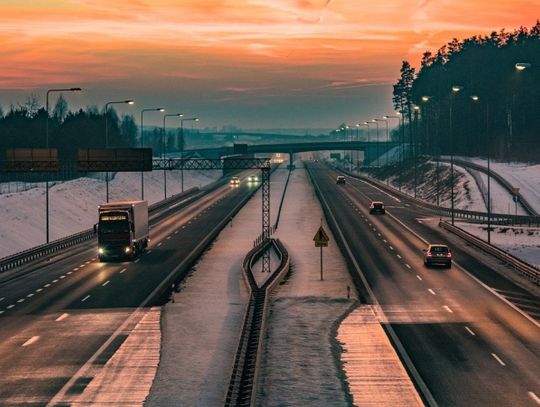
point(230, 164)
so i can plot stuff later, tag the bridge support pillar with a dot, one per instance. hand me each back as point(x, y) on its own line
point(291, 161)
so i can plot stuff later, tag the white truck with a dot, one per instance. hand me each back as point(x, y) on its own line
point(122, 229)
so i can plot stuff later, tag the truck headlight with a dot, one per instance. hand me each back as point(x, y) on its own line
point(127, 249)
point(100, 250)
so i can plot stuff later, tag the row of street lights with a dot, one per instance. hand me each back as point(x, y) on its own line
point(107, 104)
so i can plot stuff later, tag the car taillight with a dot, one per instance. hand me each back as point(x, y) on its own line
point(449, 254)
point(428, 254)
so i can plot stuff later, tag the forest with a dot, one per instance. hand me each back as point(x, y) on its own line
point(475, 97)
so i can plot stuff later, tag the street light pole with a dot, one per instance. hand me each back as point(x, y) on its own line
point(47, 146)
point(378, 158)
point(129, 102)
point(156, 109)
point(455, 89)
point(368, 138)
point(163, 148)
point(415, 147)
point(195, 119)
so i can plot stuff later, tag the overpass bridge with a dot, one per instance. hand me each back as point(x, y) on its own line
point(371, 149)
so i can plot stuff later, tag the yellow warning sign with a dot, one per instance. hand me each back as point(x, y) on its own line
point(321, 239)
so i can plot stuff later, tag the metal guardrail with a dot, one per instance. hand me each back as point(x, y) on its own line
point(242, 390)
point(509, 187)
point(18, 259)
point(471, 216)
point(524, 268)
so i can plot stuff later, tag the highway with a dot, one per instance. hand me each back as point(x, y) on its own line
point(467, 345)
point(58, 314)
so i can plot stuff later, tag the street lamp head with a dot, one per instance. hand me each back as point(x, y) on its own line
point(196, 119)
point(160, 109)
point(357, 124)
point(520, 66)
point(425, 98)
point(130, 102)
point(75, 89)
point(475, 98)
point(180, 114)
point(416, 108)
point(456, 88)
point(374, 120)
point(366, 123)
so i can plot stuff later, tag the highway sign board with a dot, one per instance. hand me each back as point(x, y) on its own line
point(515, 190)
point(31, 159)
point(115, 159)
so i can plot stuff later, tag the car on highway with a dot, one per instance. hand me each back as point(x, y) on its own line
point(340, 179)
point(253, 178)
point(377, 207)
point(234, 181)
point(438, 254)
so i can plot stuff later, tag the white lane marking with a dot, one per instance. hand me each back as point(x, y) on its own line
point(10, 306)
point(398, 256)
point(378, 234)
point(391, 248)
point(30, 295)
point(39, 290)
point(30, 341)
point(160, 243)
point(418, 277)
point(469, 330)
point(105, 283)
point(2, 299)
point(69, 272)
point(406, 265)
point(86, 262)
point(136, 261)
point(21, 300)
point(62, 317)
point(1, 312)
point(75, 269)
point(498, 359)
point(54, 281)
point(446, 307)
point(431, 291)
point(82, 265)
point(85, 298)
point(149, 251)
point(63, 276)
point(121, 271)
point(47, 285)
point(534, 397)
point(168, 237)
point(176, 232)
point(418, 220)
point(384, 240)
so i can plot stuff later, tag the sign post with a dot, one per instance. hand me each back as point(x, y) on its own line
point(515, 198)
point(321, 240)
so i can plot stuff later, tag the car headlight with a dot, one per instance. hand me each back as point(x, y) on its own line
point(127, 249)
point(100, 250)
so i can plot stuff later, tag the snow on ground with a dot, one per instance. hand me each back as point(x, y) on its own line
point(501, 200)
point(201, 328)
point(520, 241)
point(73, 205)
point(522, 175)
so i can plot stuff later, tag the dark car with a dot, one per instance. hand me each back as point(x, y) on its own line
point(377, 207)
point(340, 179)
point(438, 254)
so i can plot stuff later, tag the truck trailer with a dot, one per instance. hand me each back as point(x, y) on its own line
point(122, 229)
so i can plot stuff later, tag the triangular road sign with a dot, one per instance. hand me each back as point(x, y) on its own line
point(321, 239)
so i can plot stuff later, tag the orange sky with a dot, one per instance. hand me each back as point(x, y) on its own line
point(254, 63)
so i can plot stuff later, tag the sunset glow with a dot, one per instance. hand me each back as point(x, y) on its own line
point(239, 51)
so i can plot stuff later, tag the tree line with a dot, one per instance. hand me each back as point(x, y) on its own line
point(469, 98)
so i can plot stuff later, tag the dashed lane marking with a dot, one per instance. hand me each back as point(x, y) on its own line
point(2, 299)
point(406, 265)
point(20, 300)
point(10, 306)
point(160, 243)
point(176, 232)
point(105, 283)
point(30, 295)
point(75, 269)
point(30, 341)
point(469, 330)
point(534, 397)
point(498, 359)
point(446, 307)
point(1, 312)
point(47, 285)
point(384, 240)
point(62, 317)
point(69, 272)
point(39, 290)
point(85, 298)
point(418, 277)
point(62, 276)
point(82, 265)
point(54, 281)
point(136, 261)
point(168, 237)
point(398, 256)
point(391, 248)
point(431, 291)
point(121, 271)
point(149, 251)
